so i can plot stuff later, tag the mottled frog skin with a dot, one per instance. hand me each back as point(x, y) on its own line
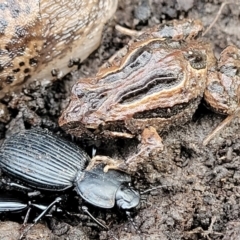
point(160, 81)
point(43, 39)
point(157, 81)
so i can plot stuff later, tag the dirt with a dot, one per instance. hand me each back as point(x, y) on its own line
point(196, 193)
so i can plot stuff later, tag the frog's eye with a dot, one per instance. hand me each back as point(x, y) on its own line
point(197, 59)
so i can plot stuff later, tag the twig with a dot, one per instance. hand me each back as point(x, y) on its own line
point(218, 14)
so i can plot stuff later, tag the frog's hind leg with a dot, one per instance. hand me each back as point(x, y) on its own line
point(221, 126)
point(222, 93)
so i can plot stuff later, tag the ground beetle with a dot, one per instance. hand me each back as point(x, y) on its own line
point(44, 161)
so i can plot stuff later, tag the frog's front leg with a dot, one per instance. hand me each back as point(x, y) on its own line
point(110, 163)
point(151, 144)
point(223, 88)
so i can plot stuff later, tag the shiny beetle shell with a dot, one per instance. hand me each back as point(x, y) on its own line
point(43, 39)
point(42, 160)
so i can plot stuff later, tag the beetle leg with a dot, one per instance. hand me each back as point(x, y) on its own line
point(85, 210)
point(57, 200)
point(16, 185)
point(27, 214)
point(130, 219)
point(25, 231)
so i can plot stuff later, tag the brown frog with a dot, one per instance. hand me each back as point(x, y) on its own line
point(157, 81)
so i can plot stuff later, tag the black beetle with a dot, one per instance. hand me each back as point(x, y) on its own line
point(44, 161)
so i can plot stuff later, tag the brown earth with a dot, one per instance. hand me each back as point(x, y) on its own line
point(198, 194)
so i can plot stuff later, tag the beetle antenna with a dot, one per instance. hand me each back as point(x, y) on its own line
point(154, 188)
point(85, 210)
point(130, 219)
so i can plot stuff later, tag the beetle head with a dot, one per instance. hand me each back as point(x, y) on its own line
point(127, 198)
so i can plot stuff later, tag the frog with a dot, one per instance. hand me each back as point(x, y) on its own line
point(158, 80)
